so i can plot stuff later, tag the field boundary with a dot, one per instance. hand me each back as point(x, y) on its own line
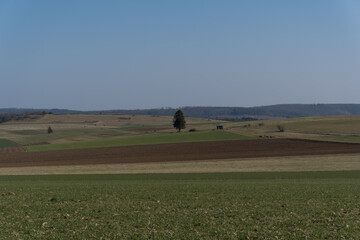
point(179, 152)
point(325, 163)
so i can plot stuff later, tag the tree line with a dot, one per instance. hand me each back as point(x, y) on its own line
point(18, 117)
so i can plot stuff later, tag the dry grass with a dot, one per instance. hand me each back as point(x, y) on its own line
point(303, 128)
point(103, 126)
point(81, 127)
point(113, 120)
point(347, 162)
point(76, 121)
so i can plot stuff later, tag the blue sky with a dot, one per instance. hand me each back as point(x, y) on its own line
point(90, 55)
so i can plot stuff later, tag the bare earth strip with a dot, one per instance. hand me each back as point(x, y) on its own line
point(177, 152)
point(12, 149)
point(347, 162)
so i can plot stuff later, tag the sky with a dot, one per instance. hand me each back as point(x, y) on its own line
point(98, 55)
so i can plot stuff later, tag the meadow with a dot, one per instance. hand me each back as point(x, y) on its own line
point(324, 128)
point(83, 128)
point(83, 131)
point(7, 143)
point(302, 205)
point(142, 140)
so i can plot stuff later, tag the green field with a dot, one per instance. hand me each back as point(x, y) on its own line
point(272, 203)
point(313, 205)
point(143, 139)
point(7, 143)
point(324, 128)
point(82, 128)
point(79, 131)
point(344, 125)
point(33, 136)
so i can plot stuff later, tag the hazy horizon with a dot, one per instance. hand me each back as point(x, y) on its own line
point(93, 55)
point(179, 107)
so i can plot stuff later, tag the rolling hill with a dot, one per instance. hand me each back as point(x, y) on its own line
point(227, 113)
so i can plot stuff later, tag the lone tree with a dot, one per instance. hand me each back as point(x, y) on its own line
point(179, 120)
point(50, 130)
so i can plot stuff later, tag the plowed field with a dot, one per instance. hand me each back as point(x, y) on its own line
point(177, 152)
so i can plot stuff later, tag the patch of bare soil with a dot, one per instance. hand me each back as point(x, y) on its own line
point(12, 150)
point(154, 129)
point(118, 123)
point(36, 144)
point(178, 152)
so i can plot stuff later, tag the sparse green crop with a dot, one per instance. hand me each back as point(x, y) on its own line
point(317, 205)
point(7, 143)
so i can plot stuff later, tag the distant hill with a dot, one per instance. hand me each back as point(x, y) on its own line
point(261, 112)
point(229, 113)
point(32, 110)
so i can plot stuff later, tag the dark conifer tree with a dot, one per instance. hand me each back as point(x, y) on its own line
point(179, 120)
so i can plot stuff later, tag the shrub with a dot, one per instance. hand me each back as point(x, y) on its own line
point(281, 128)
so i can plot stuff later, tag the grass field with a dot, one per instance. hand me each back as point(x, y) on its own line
point(79, 130)
point(7, 143)
point(77, 127)
point(317, 205)
point(60, 136)
point(143, 139)
point(338, 124)
point(325, 128)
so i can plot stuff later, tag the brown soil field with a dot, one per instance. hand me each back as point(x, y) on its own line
point(178, 152)
point(12, 150)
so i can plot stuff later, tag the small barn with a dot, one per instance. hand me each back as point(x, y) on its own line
point(219, 127)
